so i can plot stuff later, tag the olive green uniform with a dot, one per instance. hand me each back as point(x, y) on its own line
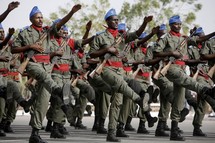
point(114, 76)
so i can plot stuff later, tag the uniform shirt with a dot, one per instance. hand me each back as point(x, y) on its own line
point(30, 36)
point(170, 43)
point(209, 48)
point(105, 40)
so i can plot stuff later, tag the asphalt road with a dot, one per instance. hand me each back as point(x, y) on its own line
point(23, 131)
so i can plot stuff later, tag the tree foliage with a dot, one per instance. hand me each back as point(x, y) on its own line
point(162, 10)
point(132, 13)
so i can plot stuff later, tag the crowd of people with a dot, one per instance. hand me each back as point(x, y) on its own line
point(121, 75)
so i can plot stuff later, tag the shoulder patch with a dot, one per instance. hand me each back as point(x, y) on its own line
point(163, 36)
point(100, 32)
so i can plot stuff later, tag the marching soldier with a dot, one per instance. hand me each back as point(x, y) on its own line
point(35, 42)
point(166, 47)
point(112, 72)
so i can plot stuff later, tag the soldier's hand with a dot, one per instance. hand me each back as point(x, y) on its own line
point(59, 52)
point(37, 47)
point(113, 50)
point(155, 30)
point(176, 54)
point(88, 26)
point(4, 58)
point(192, 30)
point(13, 5)
point(76, 8)
point(11, 31)
point(124, 59)
point(148, 18)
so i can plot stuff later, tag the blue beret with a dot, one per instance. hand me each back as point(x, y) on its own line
point(1, 27)
point(175, 19)
point(65, 28)
point(111, 12)
point(34, 11)
point(122, 26)
point(22, 29)
point(144, 34)
point(199, 31)
point(162, 27)
point(56, 21)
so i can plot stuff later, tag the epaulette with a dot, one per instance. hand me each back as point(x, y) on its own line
point(163, 36)
point(100, 32)
point(23, 29)
point(151, 44)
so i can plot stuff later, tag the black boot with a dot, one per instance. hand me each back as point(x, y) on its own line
point(211, 101)
point(35, 138)
point(166, 127)
point(49, 126)
point(120, 131)
point(63, 130)
point(143, 101)
point(175, 135)
point(151, 120)
point(96, 124)
point(7, 128)
point(101, 129)
point(2, 133)
point(128, 126)
point(79, 125)
point(142, 129)
point(160, 130)
point(155, 95)
point(55, 133)
point(198, 132)
point(72, 122)
point(24, 104)
point(111, 137)
point(184, 113)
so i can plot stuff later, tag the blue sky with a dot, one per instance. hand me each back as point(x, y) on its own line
point(20, 17)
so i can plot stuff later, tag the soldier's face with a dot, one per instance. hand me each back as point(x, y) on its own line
point(37, 20)
point(112, 22)
point(2, 34)
point(176, 27)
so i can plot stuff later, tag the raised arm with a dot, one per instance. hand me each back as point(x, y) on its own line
point(66, 18)
point(147, 19)
point(11, 6)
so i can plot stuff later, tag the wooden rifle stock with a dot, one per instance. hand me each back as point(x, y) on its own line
point(166, 67)
point(85, 75)
point(210, 74)
point(22, 67)
point(157, 73)
point(197, 71)
point(99, 68)
point(31, 54)
point(74, 82)
point(136, 71)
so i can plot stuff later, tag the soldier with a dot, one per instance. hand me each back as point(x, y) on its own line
point(194, 55)
point(8, 88)
point(112, 72)
point(166, 47)
point(40, 68)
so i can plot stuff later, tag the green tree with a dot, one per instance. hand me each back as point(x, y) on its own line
point(162, 10)
point(94, 11)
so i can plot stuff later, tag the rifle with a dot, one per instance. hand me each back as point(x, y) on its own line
point(157, 73)
point(210, 74)
point(85, 75)
point(166, 67)
point(140, 66)
point(62, 46)
point(99, 68)
point(31, 54)
point(197, 71)
point(74, 82)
